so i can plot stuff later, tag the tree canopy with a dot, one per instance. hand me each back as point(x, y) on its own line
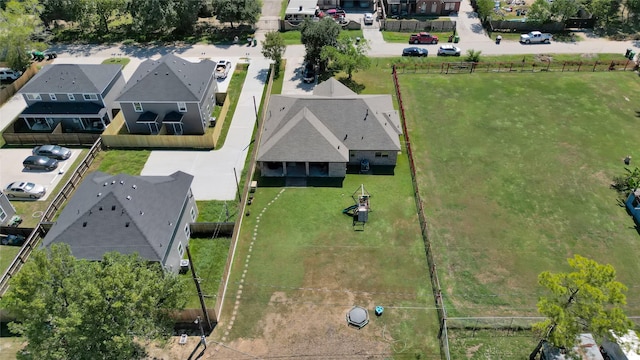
point(317, 34)
point(347, 56)
point(79, 309)
point(18, 21)
point(273, 48)
point(245, 11)
point(587, 299)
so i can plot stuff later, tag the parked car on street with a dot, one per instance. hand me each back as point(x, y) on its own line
point(423, 38)
point(222, 69)
point(52, 151)
point(368, 19)
point(449, 50)
point(535, 37)
point(35, 162)
point(415, 51)
point(7, 74)
point(23, 189)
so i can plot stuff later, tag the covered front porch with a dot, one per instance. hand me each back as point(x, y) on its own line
point(71, 117)
point(301, 169)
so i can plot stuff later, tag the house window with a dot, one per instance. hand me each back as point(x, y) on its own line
point(3, 215)
point(71, 97)
point(137, 107)
point(53, 97)
point(449, 6)
point(378, 154)
point(352, 153)
point(33, 97)
point(182, 107)
point(187, 231)
point(90, 97)
point(180, 249)
point(385, 154)
point(193, 214)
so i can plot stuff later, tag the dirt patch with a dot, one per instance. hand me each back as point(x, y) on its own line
point(472, 350)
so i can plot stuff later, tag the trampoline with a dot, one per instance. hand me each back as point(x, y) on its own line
point(358, 317)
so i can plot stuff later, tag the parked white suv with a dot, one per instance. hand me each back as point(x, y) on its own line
point(7, 74)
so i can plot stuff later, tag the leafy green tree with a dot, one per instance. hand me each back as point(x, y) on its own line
point(100, 12)
point(241, 11)
point(539, 12)
point(633, 10)
point(273, 48)
point(605, 10)
point(485, 9)
point(18, 21)
point(586, 300)
point(186, 15)
point(347, 56)
point(317, 34)
point(153, 16)
point(564, 9)
point(80, 309)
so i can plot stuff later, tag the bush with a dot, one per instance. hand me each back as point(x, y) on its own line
point(473, 56)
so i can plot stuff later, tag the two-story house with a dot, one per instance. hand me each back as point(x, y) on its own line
point(149, 215)
point(170, 92)
point(78, 98)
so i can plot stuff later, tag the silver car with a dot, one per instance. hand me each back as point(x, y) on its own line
point(20, 189)
point(52, 151)
point(449, 50)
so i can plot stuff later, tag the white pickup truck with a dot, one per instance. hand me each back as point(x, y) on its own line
point(535, 37)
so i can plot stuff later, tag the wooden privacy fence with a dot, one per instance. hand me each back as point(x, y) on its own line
point(443, 337)
point(515, 66)
point(524, 26)
point(33, 240)
point(417, 26)
point(11, 89)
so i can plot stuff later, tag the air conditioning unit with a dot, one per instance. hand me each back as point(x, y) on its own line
point(184, 266)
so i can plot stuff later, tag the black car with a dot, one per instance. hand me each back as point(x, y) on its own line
point(52, 151)
point(34, 162)
point(414, 51)
point(309, 73)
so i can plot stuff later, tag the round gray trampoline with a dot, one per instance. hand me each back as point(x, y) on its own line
point(358, 317)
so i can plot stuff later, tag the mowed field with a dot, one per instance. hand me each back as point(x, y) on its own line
point(515, 172)
point(300, 267)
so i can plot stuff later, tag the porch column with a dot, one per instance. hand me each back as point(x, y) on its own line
point(306, 167)
point(284, 168)
point(26, 122)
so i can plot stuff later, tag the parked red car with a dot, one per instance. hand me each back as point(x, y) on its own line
point(423, 38)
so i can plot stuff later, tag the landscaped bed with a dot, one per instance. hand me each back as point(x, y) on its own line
point(515, 172)
point(306, 268)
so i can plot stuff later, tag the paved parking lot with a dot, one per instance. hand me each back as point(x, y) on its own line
point(11, 170)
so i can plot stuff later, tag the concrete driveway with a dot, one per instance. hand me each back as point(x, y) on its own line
point(11, 170)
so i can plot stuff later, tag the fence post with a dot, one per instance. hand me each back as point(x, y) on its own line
point(579, 66)
point(594, 66)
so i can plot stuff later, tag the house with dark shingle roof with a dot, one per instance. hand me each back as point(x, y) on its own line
point(148, 215)
point(70, 98)
point(318, 135)
point(170, 92)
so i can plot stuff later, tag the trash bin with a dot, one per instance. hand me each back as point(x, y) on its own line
point(456, 39)
point(498, 39)
point(626, 54)
point(632, 54)
point(255, 42)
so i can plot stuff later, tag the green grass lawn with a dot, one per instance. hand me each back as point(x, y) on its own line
point(114, 162)
point(293, 37)
point(117, 60)
point(304, 241)
point(403, 37)
point(515, 172)
point(7, 254)
point(233, 92)
point(209, 257)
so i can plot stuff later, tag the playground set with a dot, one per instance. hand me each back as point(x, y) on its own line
point(359, 211)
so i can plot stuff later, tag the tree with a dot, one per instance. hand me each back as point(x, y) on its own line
point(80, 309)
point(586, 300)
point(317, 34)
point(564, 9)
point(346, 56)
point(540, 12)
point(605, 10)
point(485, 8)
point(18, 21)
point(153, 16)
point(245, 11)
point(186, 15)
point(273, 48)
point(99, 13)
point(473, 56)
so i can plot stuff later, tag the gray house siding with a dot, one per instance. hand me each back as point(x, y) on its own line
point(6, 209)
point(191, 121)
point(337, 170)
point(207, 104)
point(111, 92)
point(177, 248)
point(378, 157)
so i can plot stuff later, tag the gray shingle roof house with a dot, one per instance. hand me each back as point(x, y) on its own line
point(170, 92)
point(149, 215)
point(77, 97)
point(318, 135)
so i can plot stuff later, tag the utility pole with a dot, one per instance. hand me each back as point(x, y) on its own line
point(200, 296)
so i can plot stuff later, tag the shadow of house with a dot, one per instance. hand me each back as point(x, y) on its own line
point(70, 98)
point(170, 92)
point(149, 215)
point(320, 135)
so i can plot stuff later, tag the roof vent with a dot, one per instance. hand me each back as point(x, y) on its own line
point(113, 182)
point(128, 197)
point(134, 186)
point(105, 184)
point(126, 224)
point(121, 182)
point(100, 208)
point(113, 208)
point(84, 224)
point(99, 194)
point(141, 212)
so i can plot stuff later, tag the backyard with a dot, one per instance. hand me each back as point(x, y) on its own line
point(300, 266)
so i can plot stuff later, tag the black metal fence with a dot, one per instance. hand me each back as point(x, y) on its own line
point(524, 66)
